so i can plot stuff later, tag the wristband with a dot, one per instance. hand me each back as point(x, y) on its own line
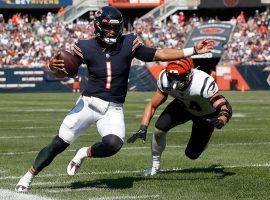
point(188, 51)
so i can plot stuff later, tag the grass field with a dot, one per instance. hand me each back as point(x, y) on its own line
point(236, 164)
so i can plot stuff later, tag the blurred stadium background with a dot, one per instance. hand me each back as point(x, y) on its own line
point(236, 163)
point(32, 31)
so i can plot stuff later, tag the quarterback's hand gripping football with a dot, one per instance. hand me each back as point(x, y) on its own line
point(57, 65)
point(204, 46)
point(141, 133)
point(218, 123)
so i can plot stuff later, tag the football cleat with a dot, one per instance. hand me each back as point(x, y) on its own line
point(76, 162)
point(23, 185)
point(152, 170)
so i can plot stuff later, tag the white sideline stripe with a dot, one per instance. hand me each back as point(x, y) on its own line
point(137, 171)
point(24, 137)
point(28, 127)
point(74, 190)
point(10, 195)
point(234, 115)
point(37, 110)
point(146, 147)
point(82, 173)
point(35, 136)
point(126, 197)
point(221, 167)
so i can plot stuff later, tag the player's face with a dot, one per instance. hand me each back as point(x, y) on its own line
point(181, 80)
point(110, 30)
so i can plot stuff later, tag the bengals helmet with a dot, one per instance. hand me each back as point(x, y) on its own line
point(108, 24)
point(180, 73)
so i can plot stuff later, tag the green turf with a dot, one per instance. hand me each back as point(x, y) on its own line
point(236, 164)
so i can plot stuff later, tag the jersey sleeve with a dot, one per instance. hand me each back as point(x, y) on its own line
point(209, 87)
point(141, 52)
point(77, 50)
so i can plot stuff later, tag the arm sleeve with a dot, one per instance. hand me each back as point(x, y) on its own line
point(78, 52)
point(144, 53)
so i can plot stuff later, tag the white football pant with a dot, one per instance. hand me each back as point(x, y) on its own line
point(108, 116)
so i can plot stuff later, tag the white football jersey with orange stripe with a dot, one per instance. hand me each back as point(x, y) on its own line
point(195, 98)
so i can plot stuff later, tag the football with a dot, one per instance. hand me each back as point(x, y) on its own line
point(71, 64)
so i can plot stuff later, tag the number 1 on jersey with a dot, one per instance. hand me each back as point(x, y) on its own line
point(109, 75)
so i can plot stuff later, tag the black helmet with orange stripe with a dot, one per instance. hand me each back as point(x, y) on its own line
point(180, 72)
point(108, 24)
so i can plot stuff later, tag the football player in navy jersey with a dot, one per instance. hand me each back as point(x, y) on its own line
point(108, 58)
point(196, 98)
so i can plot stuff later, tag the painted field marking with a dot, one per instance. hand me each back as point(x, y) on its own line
point(146, 147)
point(10, 195)
point(138, 171)
point(126, 197)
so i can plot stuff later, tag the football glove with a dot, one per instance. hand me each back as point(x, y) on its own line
point(218, 123)
point(141, 133)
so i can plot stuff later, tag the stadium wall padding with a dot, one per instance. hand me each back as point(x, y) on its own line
point(243, 77)
point(27, 79)
point(141, 78)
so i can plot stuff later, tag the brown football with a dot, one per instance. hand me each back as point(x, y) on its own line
point(71, 64)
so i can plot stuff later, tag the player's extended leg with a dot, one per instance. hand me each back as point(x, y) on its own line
point(173, 115)
point(43, 159)
point(158, 144)
point(112, 129)
point(70, 129)
point(200, 136)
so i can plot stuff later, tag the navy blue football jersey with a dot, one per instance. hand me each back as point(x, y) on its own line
point(108, 69)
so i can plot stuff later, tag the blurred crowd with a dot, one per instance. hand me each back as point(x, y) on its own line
point(250, 42)
point(28, 41)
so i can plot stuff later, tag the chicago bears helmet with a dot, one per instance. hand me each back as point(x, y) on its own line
point(108, 24)
point(180, 73)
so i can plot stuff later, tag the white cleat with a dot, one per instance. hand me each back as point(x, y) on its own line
point(152, 170)
point(23, 185)
point(76, 162)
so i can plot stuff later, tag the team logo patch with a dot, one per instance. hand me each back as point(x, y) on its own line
point(104, 21)
point(212, 31)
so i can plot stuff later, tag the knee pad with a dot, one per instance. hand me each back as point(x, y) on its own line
point(109, 146)
point(193, 155)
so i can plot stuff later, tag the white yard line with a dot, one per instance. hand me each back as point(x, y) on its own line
point(25, 137)
point(74, 190)
point(35, 110)
point(150, 132)
point(126, 197)
point(138, 171)
point(29, 128)
point(10, 195)
point(146, 147)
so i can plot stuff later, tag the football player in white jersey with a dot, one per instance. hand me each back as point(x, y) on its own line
point(196, 98)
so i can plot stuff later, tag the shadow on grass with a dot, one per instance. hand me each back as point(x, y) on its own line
point(217, 169)
point(127, 182)
point(118, 183)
